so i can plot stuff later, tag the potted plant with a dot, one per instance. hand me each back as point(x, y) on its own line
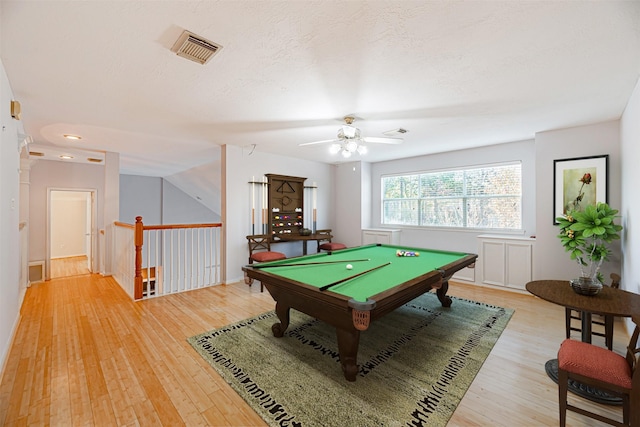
point(586, 235)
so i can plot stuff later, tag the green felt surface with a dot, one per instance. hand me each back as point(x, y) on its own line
point(360, 288)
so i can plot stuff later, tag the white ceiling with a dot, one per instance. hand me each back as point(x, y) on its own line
point(456, 74)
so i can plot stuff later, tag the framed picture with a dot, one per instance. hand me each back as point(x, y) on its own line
point(579, 182)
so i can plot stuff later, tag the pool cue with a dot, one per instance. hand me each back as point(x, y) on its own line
point(325, 287)
point(253, 205)
point(307, 263)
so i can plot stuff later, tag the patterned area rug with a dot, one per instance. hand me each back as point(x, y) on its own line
point(416, 364)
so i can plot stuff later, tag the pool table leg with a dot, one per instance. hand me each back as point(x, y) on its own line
point(282, 311)
point(348, 341)
point(442, 294)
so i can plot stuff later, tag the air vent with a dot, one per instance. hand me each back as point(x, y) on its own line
point(36, 153)
point(91, 159)
point(195, 48)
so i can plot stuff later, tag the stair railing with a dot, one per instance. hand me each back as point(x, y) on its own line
point(171, 258)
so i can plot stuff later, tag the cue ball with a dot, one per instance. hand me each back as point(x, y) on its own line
point(349, 266)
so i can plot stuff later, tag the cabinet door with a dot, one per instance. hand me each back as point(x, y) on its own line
point(506, 262)
point(493, 262)
point(370, 237)
point(518, 265)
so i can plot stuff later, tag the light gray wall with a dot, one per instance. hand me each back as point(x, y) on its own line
point(550, 259)
point(180, 208)
point(158, 201)
point(140, 196)
point(458, 240)
point(10, 295)
point(630, 207)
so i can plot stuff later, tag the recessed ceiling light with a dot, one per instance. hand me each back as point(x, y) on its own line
point(69, 136)
point(66, 157)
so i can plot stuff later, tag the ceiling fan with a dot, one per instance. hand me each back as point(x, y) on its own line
point(349, 140)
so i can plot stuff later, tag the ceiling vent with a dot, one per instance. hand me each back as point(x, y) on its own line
point(195, 48)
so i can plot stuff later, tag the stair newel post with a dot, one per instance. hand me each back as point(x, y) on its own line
point(138, 236)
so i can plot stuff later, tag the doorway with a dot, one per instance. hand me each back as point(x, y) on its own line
point(70, 232)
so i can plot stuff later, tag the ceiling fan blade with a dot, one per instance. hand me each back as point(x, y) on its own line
point(378, 140)
point(319, 142)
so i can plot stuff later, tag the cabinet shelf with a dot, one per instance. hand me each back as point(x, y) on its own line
point(285, 204)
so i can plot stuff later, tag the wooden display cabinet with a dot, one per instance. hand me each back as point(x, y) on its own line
point(286, 205)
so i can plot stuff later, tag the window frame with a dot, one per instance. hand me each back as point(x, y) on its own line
point(463, 198)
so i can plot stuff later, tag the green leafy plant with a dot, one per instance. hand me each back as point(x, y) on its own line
point(586, 234)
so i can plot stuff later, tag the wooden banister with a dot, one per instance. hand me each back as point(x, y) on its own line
point(177, 226)
point(198, 259)
point(138, 239)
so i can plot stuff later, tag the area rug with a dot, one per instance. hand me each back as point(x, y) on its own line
point(416, 364)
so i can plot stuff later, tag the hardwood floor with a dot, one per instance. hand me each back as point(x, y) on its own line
point(69, 266)
point(84, 354)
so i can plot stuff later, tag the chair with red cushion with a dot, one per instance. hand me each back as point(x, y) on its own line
point(603, 323)
point(605, 370)
point(260, 251)
point(325, 236)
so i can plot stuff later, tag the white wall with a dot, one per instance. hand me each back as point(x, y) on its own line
point(550, 259)
point(461, 240)
point(69, 214)
point(10, 297)
point(351, 214)
point(47, 174)
point(239, 166)
point(630, 206)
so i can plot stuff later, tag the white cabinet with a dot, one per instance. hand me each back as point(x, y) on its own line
point(505, 260)
point(385, 236)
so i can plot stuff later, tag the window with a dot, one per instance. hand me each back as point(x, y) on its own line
point(488, 197)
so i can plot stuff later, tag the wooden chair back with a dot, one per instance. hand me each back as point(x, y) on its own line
point(601, 326)
point(633, 356)
point(324, 235)
point(630, 397)
point(258, 243)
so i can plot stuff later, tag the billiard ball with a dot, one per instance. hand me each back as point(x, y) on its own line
point(349, 266)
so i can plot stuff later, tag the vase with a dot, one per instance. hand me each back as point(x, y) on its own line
point(586, 286)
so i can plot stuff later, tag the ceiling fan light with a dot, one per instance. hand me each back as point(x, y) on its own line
point(346, 154)
point(351, 146)
point(335, 148)
point(348, 132)
point(362, 149)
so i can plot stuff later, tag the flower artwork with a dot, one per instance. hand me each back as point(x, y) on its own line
point(579, 191)
point(578, 183)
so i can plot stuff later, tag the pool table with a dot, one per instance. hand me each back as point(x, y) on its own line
point(378, 282)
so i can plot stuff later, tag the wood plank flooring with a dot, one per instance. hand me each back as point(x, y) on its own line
point(69, 266)
point(84, 354)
